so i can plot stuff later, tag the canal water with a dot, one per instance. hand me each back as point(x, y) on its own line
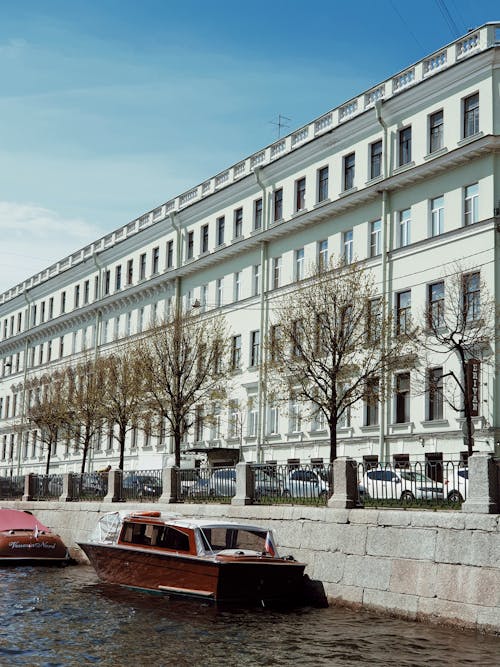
point(60, 617)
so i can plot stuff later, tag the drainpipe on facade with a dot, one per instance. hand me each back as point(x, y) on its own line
point(178, 285)
point(262, 381)
point(386, 245)
point(178, 258)
point(25, 378)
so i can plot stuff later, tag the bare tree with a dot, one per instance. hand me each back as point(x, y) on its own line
point(86, 409)
point(185, 364)
point(48, 408)
point(459, 321)
point(123, 392)
point(332, 344)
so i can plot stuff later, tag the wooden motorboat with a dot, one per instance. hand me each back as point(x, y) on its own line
point(24, 538)
point(215, 560)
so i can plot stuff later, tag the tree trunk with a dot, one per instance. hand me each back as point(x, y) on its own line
point(177, 445)
point(121, 441)
point(49, 452)
point(333, 439)
point(467, 405)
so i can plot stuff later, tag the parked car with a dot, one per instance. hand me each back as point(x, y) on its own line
point(306, 484)
point(401, 484)
point(456, 485)
point(223, 482)
point(140, 486)
point(200, 488)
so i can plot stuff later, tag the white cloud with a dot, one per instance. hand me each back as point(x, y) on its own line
point(32, 238)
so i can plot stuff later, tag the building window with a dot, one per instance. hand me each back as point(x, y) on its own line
point(437, 216)
point(376, 159)
point(170, 254)
point(348, 246)
point(404, 146)
point(42, 317)
point(371, 402)
point(236, 286)
point(254, 347)
point(51, 313)
point(256, 279)
point(77, 296)
point(295, 417)
point(86, 291)
point(349, 162)
point(130, 271)
point(403, 312)
point(322, 184)
point(155, 260)
point(278, 205)
point(402, 398)
point(236, 352)
point(436, 131)
point(435, 394)
point(203, 298)
point(257, 213)
point(220, 230)
point(118, 278)
point(252, 417)
point(238, 223)
point(471, 115)
point(61, 346)
point(375, 244)
point(204, 238)
point(300, 194)
point(272, 420)
point(374, 319)
point(96, 288)
point(190, 245)
point(435, 308)
point(299, 264)
point(404, 227)
point(472, 296)
point(107, 282)
point(219, 292)
point(322, 255)
point(276, 268)
point(142, 266)
point(471, 204)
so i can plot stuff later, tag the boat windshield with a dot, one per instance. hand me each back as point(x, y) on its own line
point(219, 538)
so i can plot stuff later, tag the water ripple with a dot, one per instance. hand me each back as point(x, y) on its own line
point(52, 617)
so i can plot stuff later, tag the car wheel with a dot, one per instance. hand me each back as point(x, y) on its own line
point(455, 497)
point(407, 496)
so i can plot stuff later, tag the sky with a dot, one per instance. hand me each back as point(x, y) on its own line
point(109, 108)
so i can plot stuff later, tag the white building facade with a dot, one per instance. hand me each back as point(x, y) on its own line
point(404, 177)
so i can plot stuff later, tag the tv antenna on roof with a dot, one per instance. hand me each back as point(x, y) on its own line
point(280, 124)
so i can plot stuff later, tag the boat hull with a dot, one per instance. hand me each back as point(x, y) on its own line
point(20, 546)
point(228, 579)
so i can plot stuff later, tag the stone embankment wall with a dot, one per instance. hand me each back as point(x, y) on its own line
point(441, 567)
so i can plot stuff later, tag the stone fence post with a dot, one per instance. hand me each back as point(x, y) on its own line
point(29, 481)
point(345, 483)
point(244, 485)
point(171, 479)
point(115, 479)
point(68, 482)
point(483, 494)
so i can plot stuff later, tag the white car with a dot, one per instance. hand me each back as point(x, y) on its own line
point(306, 484)
point(456, 484)
point(400, 484)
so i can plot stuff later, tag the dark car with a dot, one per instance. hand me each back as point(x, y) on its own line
point(140, 486)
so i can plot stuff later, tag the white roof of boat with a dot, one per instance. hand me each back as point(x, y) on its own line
point(188, 522)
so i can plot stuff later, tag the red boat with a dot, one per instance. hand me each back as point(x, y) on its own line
point(215, 560)
point(24, 538)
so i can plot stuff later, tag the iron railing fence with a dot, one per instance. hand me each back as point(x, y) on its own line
point(296, 484)
point(12, 488)
point(89, 486)
point(204, 485)
point(142, 485)
point(436, 484)
point(46, 487)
